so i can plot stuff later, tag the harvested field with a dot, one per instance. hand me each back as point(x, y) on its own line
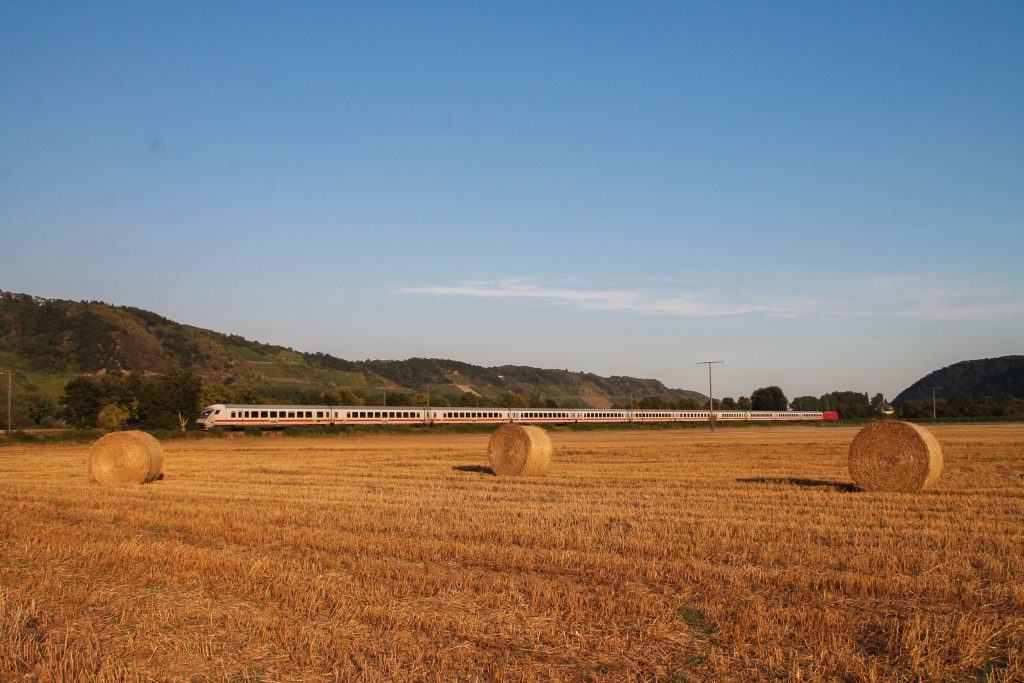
point(651, 555)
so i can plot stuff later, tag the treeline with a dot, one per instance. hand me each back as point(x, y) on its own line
point(172, 401)
point(1003, 406)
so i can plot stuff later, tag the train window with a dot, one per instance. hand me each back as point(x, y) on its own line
point(273, 413)
point(263, 413)
point(319, 413)
point(392, 414)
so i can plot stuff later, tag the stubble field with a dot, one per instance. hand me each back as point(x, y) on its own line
point(651, 555)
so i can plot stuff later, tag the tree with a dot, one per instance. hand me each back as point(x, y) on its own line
point(535, 401)
point(81, 402)
point(510, 399)
point(811, 403)
point(768, 398)
point(743, 403)
point(961, 405)
point(346, 397)
point(652, 403)
point(689, 404)
point(398, 398)
point(728, 403)
point(162, 399)
point(112, 417)
point(214, 393)
point(849, 404)
point(38, 407)
point(877, 403)
point(469, 400)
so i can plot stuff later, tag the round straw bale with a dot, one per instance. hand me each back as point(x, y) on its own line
point(125, 458)
point(895, 456)
point(519, 450)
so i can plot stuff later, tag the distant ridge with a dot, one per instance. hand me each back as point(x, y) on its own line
point(976, 378)
point(50, 341)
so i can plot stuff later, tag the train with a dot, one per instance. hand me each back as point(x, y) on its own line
point(240, 416)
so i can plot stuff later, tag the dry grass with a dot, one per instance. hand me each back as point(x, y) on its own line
point(670, 556)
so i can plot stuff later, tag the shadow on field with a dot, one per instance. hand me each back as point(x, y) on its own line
point(795, 481)
point(482, 469)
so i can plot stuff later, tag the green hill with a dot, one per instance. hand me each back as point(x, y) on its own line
point(985, 377)
point(48, 342)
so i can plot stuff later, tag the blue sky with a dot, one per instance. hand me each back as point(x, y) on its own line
point(826, 196)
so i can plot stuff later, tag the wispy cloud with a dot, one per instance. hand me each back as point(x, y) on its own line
point(883, 296)
point(637, 301)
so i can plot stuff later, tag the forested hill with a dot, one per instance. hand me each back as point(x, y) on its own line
point(50, 341)
point(985, 377)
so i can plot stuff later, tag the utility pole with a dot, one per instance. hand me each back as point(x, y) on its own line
point(711, 394)
point(10, 374)
point(385, 388)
